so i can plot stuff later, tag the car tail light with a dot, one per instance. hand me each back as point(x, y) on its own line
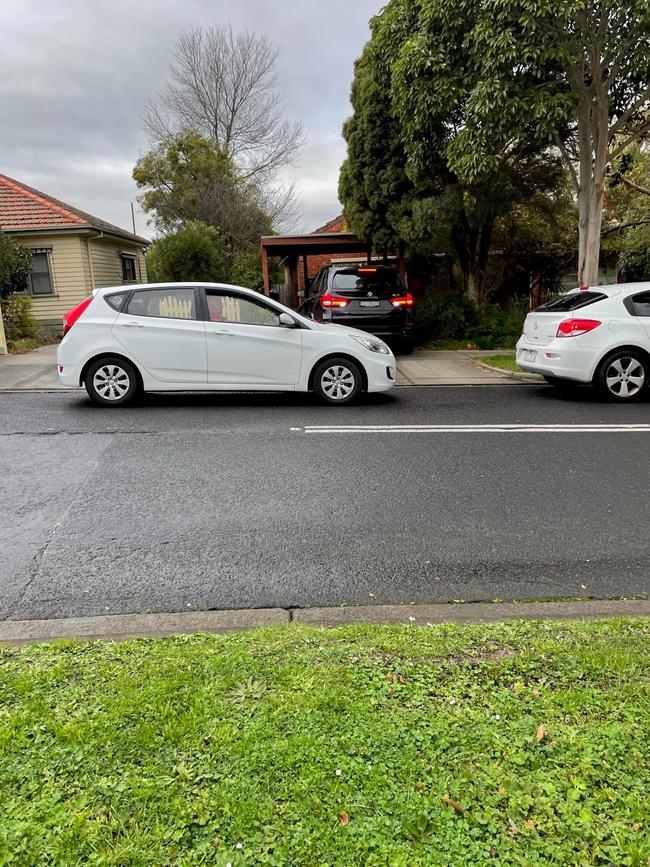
point(402, 301)
point(71, 316)
point(576, 327)
point(329, 300)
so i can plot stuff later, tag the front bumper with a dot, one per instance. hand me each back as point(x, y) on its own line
point(556, 359)
point(381, 371)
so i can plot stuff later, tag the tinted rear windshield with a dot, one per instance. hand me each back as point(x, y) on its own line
point(573, 301)
point(367, 279)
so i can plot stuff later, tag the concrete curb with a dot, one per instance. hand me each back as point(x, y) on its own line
point(120, 627)
point(509, 374)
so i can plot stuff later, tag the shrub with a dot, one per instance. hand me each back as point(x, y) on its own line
point(195, 252)
point(498, 328)
point(444, 317)
point(18, 319)
point(15, 266)
point(452, 316)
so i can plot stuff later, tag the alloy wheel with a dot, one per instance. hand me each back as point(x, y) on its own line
point(338, 382)
point(111, 382)
point(625, 377)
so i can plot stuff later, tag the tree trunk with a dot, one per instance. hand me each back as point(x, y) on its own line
point(472, 244)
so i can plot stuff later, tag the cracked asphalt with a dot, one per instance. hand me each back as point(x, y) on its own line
point(221, 501)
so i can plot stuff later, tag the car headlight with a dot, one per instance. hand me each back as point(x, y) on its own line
point(373, 344)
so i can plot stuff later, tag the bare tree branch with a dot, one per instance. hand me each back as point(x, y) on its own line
point(224, 85)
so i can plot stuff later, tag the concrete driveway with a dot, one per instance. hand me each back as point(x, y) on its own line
point(36, 371)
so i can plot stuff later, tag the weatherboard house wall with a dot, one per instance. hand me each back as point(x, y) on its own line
point(72, 251)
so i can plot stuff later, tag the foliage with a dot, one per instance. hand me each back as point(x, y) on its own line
point(568, 73)
point(516, 743)
point(452, 316)
point(18, 319)
point(398, 181)
point(628, 214)
point(15, 266)
point(195, 252)
point(449, 316)
point(186, 178)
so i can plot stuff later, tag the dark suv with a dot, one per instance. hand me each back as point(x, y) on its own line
point(369, 297)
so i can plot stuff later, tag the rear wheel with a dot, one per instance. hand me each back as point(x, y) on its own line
point(406, 347)
point(623, 376)
point(111, 382)
point(337, 381)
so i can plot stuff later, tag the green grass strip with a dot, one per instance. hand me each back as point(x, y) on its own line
point(520, 743)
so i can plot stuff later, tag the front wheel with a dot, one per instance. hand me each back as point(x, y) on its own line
point(111, 382)
point(337, 381)
point(623, 376)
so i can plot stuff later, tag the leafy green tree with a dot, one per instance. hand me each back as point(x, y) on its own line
point(398, 181)
point(627, 217)
point(194, 252)
point(570, 73)
point(186, 177)
point(15, 266)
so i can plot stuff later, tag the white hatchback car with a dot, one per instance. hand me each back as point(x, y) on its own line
point(599, 335)
point(212, 337)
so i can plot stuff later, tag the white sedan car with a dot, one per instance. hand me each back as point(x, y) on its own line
point(599, 335)
point(212, 337)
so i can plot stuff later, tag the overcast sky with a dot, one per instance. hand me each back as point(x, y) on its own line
point(74, 76)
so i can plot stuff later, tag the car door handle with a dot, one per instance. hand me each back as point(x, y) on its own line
point(133, 324)
point(220, 331)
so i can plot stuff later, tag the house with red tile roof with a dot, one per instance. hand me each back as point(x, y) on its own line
point(72, 251)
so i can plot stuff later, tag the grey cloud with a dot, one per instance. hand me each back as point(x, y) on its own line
point(74, 77)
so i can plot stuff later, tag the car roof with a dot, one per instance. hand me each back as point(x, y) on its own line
point(621, 288)
point(128, 287)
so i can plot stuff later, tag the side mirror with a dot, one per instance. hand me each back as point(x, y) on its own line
point(286, 321)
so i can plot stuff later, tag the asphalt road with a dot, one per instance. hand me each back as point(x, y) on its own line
point(198, 502)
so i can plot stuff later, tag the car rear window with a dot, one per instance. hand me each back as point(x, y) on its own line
point(573, 301)
point(638, 305)
point(367, 279)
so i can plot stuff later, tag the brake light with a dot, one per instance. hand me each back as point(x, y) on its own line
point(367, 270)
point(329, 300)
point(402, 301)
point(576, 327)
point(71, 316)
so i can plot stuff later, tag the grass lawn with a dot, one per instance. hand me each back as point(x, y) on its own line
point(503, 362)
point(522, 744)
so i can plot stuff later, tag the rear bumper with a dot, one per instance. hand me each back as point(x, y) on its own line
point(557, 359)
point(400, 330)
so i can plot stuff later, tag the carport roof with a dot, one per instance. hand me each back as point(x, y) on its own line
point(310, 245)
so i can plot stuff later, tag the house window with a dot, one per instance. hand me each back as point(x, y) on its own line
point(128, 268)
point(41, 276)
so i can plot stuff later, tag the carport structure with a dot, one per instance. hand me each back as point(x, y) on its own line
point(293, 248)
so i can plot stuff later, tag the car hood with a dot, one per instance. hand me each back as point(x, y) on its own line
point(354, 332)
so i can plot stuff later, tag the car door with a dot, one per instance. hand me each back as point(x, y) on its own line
point(162, 331)
point(246, 345)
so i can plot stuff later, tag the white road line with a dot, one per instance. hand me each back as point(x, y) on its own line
point(478, 428)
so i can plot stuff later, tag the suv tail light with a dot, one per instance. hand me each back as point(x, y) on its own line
point(402, 301)
point(71, 316)
point(576, 327)
point(329, 300)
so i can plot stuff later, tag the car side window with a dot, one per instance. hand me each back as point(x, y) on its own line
point(163, 303)
point(639, 305)
point(223, 307)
